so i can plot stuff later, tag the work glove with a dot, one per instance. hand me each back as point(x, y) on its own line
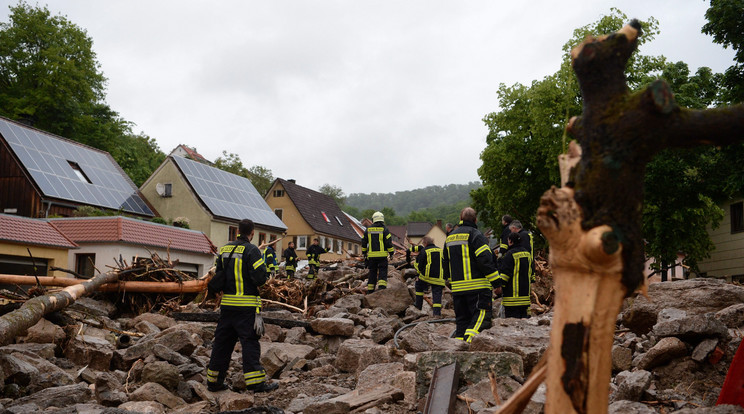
point(258, 325)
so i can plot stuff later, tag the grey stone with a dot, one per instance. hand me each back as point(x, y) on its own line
point(394, 300)
point(719, 409)
point(302, 401)
point(522, 337)
point(664, 351)
point(290, 350)
point(189, 370)
point(631, 385)
point(148, 407)
point(45, 332)
point(162, 373)
point(90, 350)
point(228, 401)
point(382, 334)
point(195, 408)
point(670, 314)
point(352, 303)
point(90, 306)
point(622, 358)
point(377, 374)
point(703, 349)
point(152, 391)
point(109, 390)
point(629, 407)
point(161, 321)
point(147, 327)
point(474, 366)
point(356, 354)
point(47, 375)
point(15, 370)
point(166, 354)
point(333, 326)
point(45, 351)
point(732, 316)
point(692, 328)
point(63, 396)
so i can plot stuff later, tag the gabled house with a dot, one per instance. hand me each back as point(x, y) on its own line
point(359, 228)
point(42, 174)
point(727, 260)
point(398, 234)
point(416, 230)
point(190, 153)
point(310, 214)
point(27, 244)
point(103, 241)
point(214, 201)
point(437, 234)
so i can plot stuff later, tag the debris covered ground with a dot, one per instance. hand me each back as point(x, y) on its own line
point(334, 349)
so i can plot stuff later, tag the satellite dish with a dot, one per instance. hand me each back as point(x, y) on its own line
point(160, 189)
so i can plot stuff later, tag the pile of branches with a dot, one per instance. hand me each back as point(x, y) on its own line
point(543, 292)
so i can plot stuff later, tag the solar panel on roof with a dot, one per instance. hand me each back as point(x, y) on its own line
point(226, 194)
point(47, 159)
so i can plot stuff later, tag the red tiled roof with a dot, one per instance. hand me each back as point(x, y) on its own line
point(32, 231)
point(123, 229)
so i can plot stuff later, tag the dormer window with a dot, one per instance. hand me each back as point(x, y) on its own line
point(325, 217)
point(339, 221)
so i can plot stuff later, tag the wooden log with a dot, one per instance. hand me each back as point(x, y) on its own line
point(189, 286)
point(17, 322)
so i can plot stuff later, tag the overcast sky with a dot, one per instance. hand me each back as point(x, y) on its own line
point(368, 96)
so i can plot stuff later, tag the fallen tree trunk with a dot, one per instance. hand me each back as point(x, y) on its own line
point(17, 322)
point(130, 286)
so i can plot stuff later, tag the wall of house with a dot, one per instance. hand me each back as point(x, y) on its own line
point(54, 257)
point(727, 260)
point(182, 203)
point(17, 194)
point(106, 252)
point(438, 235)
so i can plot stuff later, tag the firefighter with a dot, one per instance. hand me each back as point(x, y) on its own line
point(243, 268)
point(429, 266)
point(269, 256)
point(514, 278)
point(469, 266)
point(313, 258)
point(377, 244)
point(290, 259)
point(527, 242)
point(503, 241)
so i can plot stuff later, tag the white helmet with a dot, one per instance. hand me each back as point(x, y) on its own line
point(378, 217)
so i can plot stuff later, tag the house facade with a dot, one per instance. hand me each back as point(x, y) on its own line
point(213, 201)
point(33, 247)
point(310, 214)
point(42, 175)
point(102, 241)
point(727, 260)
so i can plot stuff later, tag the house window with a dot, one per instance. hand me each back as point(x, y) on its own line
point(261, 238)
point(278, 193)
point(301, 242)
point(85, 264)
point(325, 217)
point(80, 174)
point(232, 233)
point(168, 190)
point(349, 246)
point(737, 217)
point(356, 249)
point(278, 212)
point(339, 221)
point(339, 246)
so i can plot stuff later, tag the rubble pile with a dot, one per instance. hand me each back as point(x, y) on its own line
point(343, 351)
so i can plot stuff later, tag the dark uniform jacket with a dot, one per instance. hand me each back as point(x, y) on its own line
point(269, 257)
point(504, 241)
point(290, 257)
point(244, 273)
point(429, 265)
point(377, 241)
point(514, 276)
point(527, 243)
point(468, 261)
point(313, 254)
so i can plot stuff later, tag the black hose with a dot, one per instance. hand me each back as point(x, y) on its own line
point(395, 337)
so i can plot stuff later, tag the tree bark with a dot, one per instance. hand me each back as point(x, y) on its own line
point(593, 223)
point(17, 322)
point(130, 286)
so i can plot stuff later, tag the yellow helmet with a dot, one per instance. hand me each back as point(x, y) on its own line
point(378, 217)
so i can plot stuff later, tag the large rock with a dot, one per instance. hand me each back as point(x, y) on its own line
point(109, 390)
point(90, 350)
point(703, 349)
point(45, 351)
point(356, 399)
point(356, 354)
point(234, 401)
point(46, 375)
point(631, 385)
point(45, 332)
point(162, 373)
point(622, 358)
point(333, 326)
point(161, 321)
point(692, 328)
point(351, 303)
point(15, 370)
point(377, 374)
point(424, 337)
point(155, 392)
point(394, 300)
point(523, 337)
point(629, 407)
point(64, 396)
point(474, 366)
point(177, 338)
point(290, 350)
point(144, 407)
point(90, 306)
point(733, 316)
point(695, 296)
point(664, 351)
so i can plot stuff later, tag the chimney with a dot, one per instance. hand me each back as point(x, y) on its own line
point(439, 223)
point(292, 180)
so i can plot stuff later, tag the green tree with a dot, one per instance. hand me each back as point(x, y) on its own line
point(726, 25)
point(334, 192)
point(260, 177)
point(139, 156)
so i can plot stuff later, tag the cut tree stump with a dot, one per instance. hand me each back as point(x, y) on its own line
point(593, 223)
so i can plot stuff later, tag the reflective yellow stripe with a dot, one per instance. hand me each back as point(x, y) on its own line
point(241, 300)
point(481, 249)
point(492, 276)
point(229, 248)
point(238, 272)
point(516, 301)
point(467, 285)
point(432, 280)
point(258, 263)
point(467, 275)
point(419, 293)
point(254, 377)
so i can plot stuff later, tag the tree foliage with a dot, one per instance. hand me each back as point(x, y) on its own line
point(726, 25)
point(334, 192)
point(51, 79)
point(260, 177)
point(404, 202)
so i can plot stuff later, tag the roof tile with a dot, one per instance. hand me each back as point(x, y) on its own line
point(32, 231)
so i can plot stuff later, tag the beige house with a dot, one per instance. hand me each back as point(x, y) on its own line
point(437, 234)
point(310, 214)
point(32, 246)
point(727, 260)
point(212, 200)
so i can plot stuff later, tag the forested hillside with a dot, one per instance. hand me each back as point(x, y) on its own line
point(430, 198)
